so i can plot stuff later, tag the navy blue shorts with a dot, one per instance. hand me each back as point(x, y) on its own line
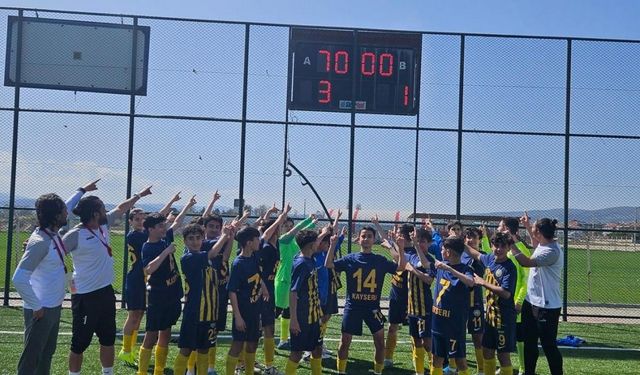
point(420, 327)
point(196, 335)
point(353, 318)
point(398, 311)
point(331, 307)
point(308, 339)
point(136, 297)
point(223, 303)
point(502, 339)
point(475, 322)
point(268, 311)
point(162, 313)
point(449, 347)
point(252, 332)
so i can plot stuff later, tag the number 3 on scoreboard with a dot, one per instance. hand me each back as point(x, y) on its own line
point(324, 91)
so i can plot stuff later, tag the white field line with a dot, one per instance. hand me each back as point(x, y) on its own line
point(228, 337)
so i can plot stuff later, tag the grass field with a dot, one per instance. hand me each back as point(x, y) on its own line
point(612, 279)
point(583, 361)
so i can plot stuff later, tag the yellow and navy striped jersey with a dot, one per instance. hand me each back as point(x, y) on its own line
point(504, 275)
point(420, 299)
point(334, 282)
point(201, 287)
point(304, 281)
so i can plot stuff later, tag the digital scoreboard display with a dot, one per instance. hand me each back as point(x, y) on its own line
point(327, 65)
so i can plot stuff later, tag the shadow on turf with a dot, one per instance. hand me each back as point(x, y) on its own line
point(595, 354)
point(355, 366)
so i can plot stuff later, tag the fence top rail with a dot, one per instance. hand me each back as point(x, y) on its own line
point(444, 33)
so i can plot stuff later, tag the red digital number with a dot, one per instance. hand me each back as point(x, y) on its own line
point(389, 65)
point(368, 68)
point(327, 56)
point(406, 95)
point(326, 91)
point(345, 62)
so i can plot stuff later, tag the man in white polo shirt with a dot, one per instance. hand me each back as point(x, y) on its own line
point(93, 305)
point(40, 280)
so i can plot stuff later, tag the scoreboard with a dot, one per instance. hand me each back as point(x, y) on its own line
point(329, 67)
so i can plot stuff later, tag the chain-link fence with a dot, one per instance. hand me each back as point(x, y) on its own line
point(506, 123)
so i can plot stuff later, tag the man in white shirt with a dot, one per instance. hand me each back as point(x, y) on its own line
point(40, 280)
point(93, 305)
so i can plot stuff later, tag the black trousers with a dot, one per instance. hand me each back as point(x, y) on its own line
point(540, 324)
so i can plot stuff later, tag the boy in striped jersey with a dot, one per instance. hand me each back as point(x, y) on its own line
point(198, 328)
point(421, 271)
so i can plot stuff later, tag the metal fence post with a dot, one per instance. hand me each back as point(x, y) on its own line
point(243, 131)
point(460, 122)
point(14, 160)
point(567, 138)
point(132, 120)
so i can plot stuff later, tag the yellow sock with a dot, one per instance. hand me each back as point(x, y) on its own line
point(452, 363)
point(341, 364)
point(241, 355)
point(435, 370)
point(390, 348)
point(269, 351)
point(418, 360)
point(180, 364)
point(323, 329)
point(249, 361)
point(506, 370)
point(201, 364)
point(466, 372)
point(126, 343)
point(191, 363)
point(316, 366)
point(378, 367)
point(134, 338)
point(212, 358)
point(284, 329)
point(231, 364)
point(290, 368)
point(429, 359)
point(161, 360)
point(489, 366)
point(479, 359)
point(144, 357)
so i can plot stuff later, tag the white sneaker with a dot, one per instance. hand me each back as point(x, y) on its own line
point(272, 371)
point(239, 370)
point(306, 356)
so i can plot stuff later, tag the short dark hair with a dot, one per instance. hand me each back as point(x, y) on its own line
point(246, 234)
point(424, 234)
point(212, 217)
point(327, 238)
point(87, 207)
point(405, 230)
point(134, 212)
point(153, 219)
point(192, 229)
point(512, 224)
point(455, 244)
point(501, 239)
point(48, 206)
point(369, 228)
point(305, 237)
point(547, 227)
point(473, 232)
point(266, 224)
point(452, 224)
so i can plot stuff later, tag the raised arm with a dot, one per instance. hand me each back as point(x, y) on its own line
point(157, 261)
point(177, 223)
point(473, 253)
point(336, 221)
point(523, 257)
point(214, 199)
point(328, 262)
point(424, 277)
point(485, 244)
point(220, 245)
point(525, 221)
point(376, 223)
point(500, 291)
point(129, 203)
point(306, 223)
point(279, 221)
point(266, 215)
point(73, 200)
point(167, 207)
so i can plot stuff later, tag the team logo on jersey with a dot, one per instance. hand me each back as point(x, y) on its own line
point(499, 272)
point(477, 313)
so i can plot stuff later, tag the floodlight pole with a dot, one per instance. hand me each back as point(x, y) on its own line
point(14, 159)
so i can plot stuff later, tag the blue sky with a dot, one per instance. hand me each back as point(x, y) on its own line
point(509, 85)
